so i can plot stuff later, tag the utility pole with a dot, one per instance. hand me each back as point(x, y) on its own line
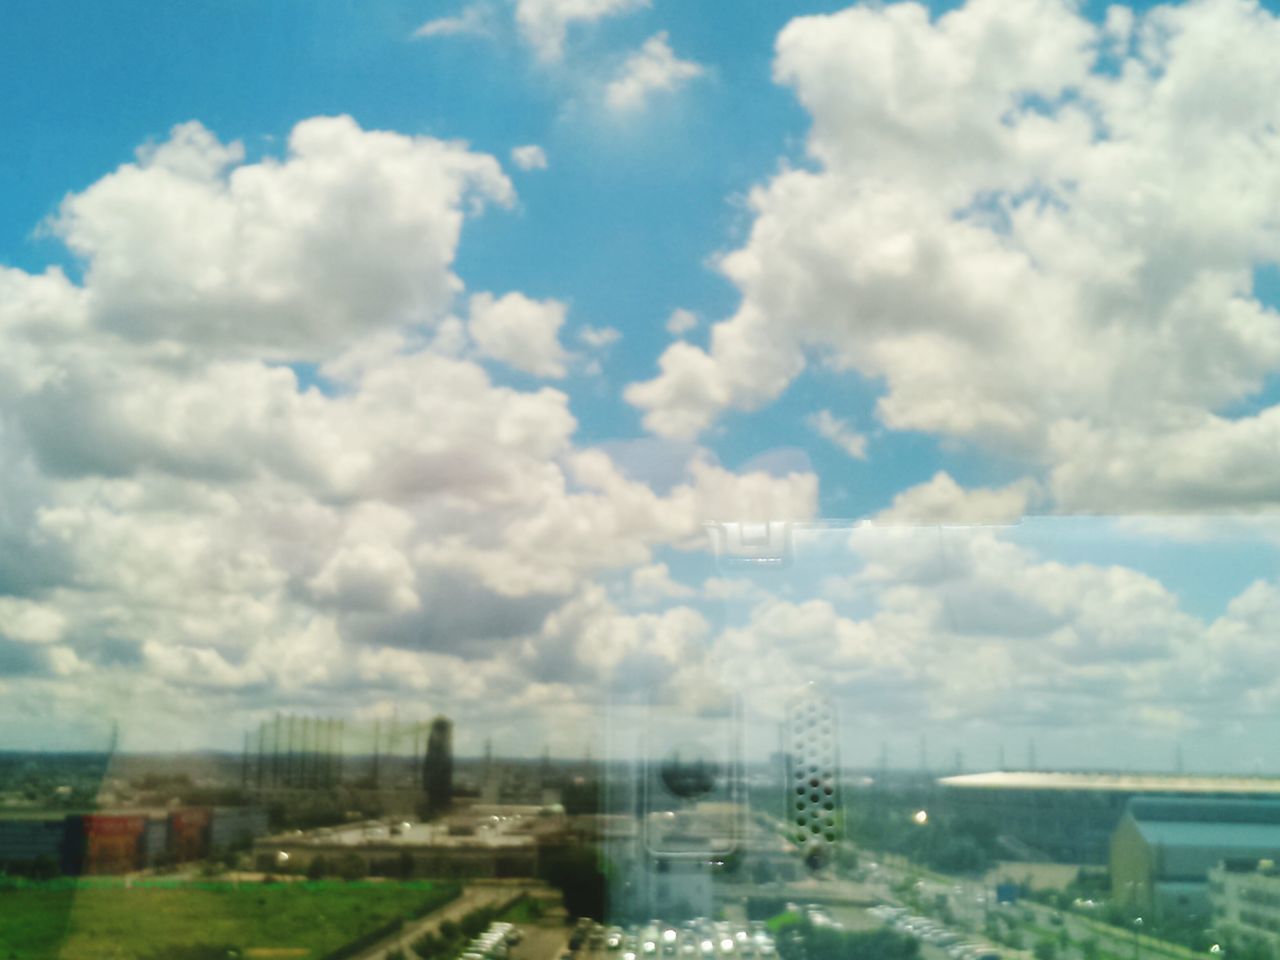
point(275, 752)
point(262, 750)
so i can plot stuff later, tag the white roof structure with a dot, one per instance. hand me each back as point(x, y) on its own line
point(1113, 782)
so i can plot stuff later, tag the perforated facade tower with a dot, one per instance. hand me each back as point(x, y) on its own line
point(813, 791)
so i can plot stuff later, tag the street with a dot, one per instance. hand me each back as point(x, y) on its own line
point(472, 898)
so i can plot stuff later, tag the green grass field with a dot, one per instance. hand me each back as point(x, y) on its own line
point(524, 910)
point(104, 920)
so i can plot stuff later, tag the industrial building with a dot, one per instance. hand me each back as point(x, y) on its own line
point(479, 841)
point(120, 841)
point(1163, 849)
point(1070, 817)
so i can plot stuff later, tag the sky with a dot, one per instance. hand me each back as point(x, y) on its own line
point(389, 358)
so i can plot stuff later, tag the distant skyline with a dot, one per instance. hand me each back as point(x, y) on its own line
point(392, 356)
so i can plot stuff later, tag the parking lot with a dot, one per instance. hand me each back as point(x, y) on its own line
point(693, 940)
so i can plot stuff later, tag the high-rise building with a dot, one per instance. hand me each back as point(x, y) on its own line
point(437, 771)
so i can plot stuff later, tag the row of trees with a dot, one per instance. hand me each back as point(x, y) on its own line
point(448, 941)
point(805, 941)
point(943, 843)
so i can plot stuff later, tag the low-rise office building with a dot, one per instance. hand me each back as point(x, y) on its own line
point(1244, 899)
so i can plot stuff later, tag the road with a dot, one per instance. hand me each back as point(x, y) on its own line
point(541, 943)
point(471, 898)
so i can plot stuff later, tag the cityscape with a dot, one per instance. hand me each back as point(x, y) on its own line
point(640, 480)
point(584, 857)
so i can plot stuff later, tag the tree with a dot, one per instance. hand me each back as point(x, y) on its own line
point(405, 865)
point(317, 868)
point(351, 866)
point(212, 868)
point(1045, 949)
point(576, 873)
point(43, 867)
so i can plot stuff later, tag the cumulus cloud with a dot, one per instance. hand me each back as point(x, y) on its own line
point(963, 626)
point(681, 321)
point(351, 232)
point(520, 332)
point(529, 157)
point(942, 500)
point(830, 427)
point(652, 584)
point(654, 68)
point(1046, 251)
point(29, 622)
point(544, 24)
point(209, 530)
point(591, 640)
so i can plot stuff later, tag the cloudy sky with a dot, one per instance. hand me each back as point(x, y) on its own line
point(392, 356)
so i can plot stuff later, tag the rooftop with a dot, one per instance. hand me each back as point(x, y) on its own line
point(1113, 782)
point(1243, 837)
point(494, 831)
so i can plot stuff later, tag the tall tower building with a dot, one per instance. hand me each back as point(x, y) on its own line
point(437, 771)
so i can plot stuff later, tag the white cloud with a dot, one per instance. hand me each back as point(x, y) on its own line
point(652, 584)
point(520, 332)
point(828, 425)
point(590, 640)
point(545, 23)
point(1032, 254)
point(207, 536)
point(599, 338)
point(942, 500)
point(681, 321)
point(29, 622)
point(529, 157)
point(292, 259)
point(959, 627)
point(654, 68)
point(474, 20)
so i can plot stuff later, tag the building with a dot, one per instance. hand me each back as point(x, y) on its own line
point(477, 842)
point(120, 841)
point(189, 833)
point(30, 841)
point(1070, 817)
point(437, 768)
point(155, 841)
point(1163, 849)
point(110, 842)
point(231, 828)
point(1244, 899)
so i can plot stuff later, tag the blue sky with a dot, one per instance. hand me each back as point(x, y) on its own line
point(528, 466)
